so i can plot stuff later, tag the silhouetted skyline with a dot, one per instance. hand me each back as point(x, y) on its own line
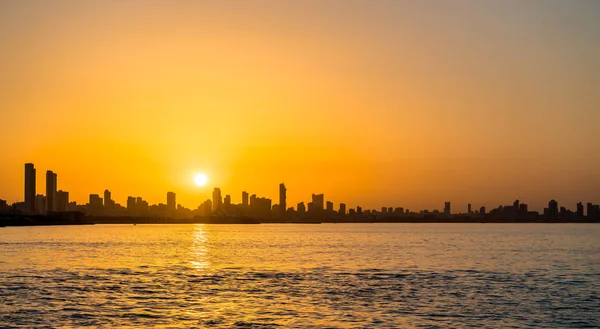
point(373, 102)
point(263, 208)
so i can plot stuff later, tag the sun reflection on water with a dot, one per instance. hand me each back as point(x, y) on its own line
point(199, 251)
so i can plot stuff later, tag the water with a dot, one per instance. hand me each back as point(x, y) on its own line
point(303, 276)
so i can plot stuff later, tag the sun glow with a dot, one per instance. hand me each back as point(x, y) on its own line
point(200, 179)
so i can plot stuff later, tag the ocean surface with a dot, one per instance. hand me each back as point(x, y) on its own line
point(301, 276)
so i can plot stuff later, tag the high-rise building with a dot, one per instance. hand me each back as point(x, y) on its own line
point(447, 210)
point(301, 209)
point(40, 203)
point(469, 208)
point(282, 201)
point(131, 205)
point(30, 188)
point(482, 211)
point(217, 200)
point(62, 200)
point(227, 203)
point(342, 210)
point(51, 183)
point(107, 200)
point(319, 201)
point(553, 209)
point(329, 206)
point(579, 210)
point(245, 199)
point(171, 201)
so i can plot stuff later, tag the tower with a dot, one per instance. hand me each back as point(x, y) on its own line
point(282, 201)
point(171, 201)
point(51, 180)
point(216, 202)
point(30, 187)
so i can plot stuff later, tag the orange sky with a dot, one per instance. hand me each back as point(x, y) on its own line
point(370, 102)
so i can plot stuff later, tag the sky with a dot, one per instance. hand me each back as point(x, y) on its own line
point(373, 103)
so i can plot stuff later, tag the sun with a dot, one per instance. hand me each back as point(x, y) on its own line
point(200, 179)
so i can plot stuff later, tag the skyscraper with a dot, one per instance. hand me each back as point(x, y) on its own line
point(30, 187)
point(245, 199)
point(553, 209)
point(62, 200)
point(342, 210)
point(171, 197)
point(51, 182)
point(216, 202)
point(282, 201)
point(107, 200)
point(319, 201)
point(447, 208)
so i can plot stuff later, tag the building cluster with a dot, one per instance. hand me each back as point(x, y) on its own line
point(252, 206)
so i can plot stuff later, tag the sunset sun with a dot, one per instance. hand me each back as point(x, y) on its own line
point(200, 179)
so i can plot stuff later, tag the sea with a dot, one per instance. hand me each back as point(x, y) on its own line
point(301, 276)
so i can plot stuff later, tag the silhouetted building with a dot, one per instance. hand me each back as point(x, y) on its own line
point(30, 188)
point(319, 201)
point(108, 201)
point(245, 199)
point(329, 206)
point(579, 210)
point(482, 211)
point(95, 205)
point(171, 202)
point(301, 209)
point(447, 210)
point(40, 204)
point(131, 209)
point(216, 201)
point(227, 203)
point(342, 210)
point(359, 210)
point(553, 209)
point(51, 183)
point(62, 200)
point(282, 201)
point(469, 209)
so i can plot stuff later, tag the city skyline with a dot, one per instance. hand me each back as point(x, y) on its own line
point(257, 206)
point(370, 102)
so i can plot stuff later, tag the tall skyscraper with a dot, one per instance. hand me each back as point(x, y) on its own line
point(62, 200)
point(469, 208)
point(30, 188)
point(282, 201)
point(553, 209)
point(216, 203)
point(447, 209)
point(319, 201)
point(342, 210)
point(171, 203)
point(245, 199)
point(51, 182)
point(579, 210)
point(107, 199)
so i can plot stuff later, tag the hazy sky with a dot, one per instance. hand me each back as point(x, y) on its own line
point(395, 103)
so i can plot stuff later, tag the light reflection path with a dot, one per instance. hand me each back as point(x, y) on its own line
point(199, 251)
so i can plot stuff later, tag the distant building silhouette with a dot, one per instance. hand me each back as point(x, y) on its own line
point(40, 204)
point(171, 201)
point(447, 210)
point(342, 210)
point(227, 204)
point(51, 183)
point(469, 211)
point(216, 200)
point(30, 188)
point(62, 200)
point(282, 201)
point(580, 210)
point(329, 207)
point(319, 201)
point(108, 201)
point(245, 199)
point(552, 209)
